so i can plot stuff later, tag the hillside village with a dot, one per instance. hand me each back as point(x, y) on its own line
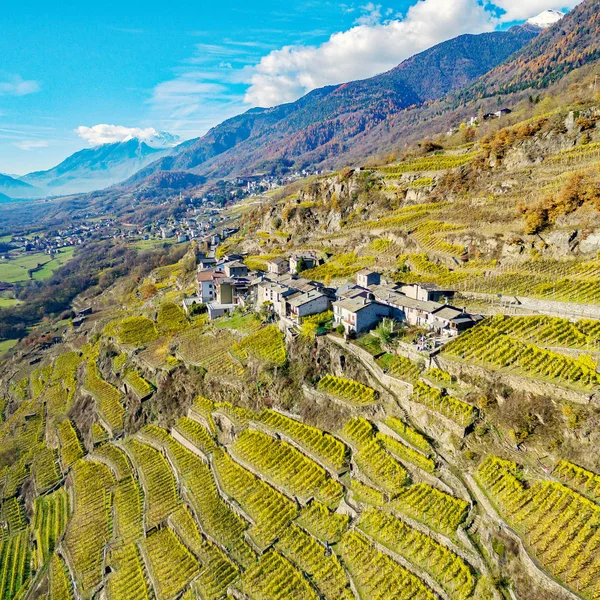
point(227, 284)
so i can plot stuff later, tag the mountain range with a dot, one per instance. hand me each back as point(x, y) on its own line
point(339, 124)
point(15, 188)
point(568, 45)
point(319, 128)
point(96, 168)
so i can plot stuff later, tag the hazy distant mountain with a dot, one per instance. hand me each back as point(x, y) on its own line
point(325, 122)
point(15, 188)
point(99, 167)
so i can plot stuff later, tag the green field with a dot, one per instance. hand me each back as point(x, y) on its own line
point(151, 244)
point(16, 270)
point(6, 345)
point(8, 302)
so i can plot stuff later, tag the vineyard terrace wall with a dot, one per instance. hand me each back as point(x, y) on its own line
point(535, 386)
point(547, 307)
point(433, 423)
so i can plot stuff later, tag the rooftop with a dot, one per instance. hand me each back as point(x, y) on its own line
point(209, 275)
point(355, 305)
point(305, 298)
point(433, 287)
point(398, 299)
point(451, 313)
point(192, 300)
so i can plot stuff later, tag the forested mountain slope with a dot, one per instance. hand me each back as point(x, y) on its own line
point(573, 42)
point(324, 123)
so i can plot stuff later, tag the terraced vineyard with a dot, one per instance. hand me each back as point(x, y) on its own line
point(400, 367)
point(288, 467)
point(160, 514)
point(266, 345)
point(448, 569)
point(107, 397)
point(209, 352)
point(432, 163)
point(450, 407)
point(171, 318)
point(168, 457)
point(347, 389)
point(135, 331)
point(138, 384)
point(487, 344)
point(323, 445)
point(560, 526)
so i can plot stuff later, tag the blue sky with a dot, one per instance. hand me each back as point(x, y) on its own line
point(69, 69)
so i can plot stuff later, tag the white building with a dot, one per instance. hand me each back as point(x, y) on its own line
point(207, 285)
point(275, 294)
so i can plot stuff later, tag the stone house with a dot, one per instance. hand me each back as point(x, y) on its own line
point(308, 303)
point(366, 277)
point(235, 269)
point(451, 321)
point(307, 261)
point(358, 314)
point(277, 266)
point(428, 292)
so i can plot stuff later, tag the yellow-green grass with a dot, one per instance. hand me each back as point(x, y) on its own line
point(6, 345)
point(8, 302)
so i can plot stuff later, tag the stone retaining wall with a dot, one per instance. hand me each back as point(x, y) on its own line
point(538, 387)
point(547, 307)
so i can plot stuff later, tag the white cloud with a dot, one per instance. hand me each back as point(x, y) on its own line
point(364, 50)
point(517, 10)
point(15, 85)
point(372, 15)
point(30, 144)
point(109, 134)
point(196, 100)
point(178, 96)
point(375, 45)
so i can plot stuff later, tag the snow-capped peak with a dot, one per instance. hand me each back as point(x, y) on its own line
point(162, 139)
point(546, 19)
point(103, 133)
